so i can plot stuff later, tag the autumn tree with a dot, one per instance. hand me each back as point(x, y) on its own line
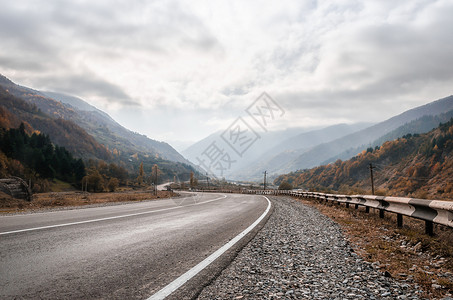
point(191, 180)
point(113, 184)
point(141, 174)
point(285, 185)
point(156, 173)
point(118, 172)
point(94, 181)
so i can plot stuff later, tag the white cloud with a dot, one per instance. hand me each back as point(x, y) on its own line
point(324, 61)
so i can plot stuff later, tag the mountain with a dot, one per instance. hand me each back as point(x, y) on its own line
point(416, 165)
point(363, 138)
point(107, 131)
point(14, 110)
point(72, 101)
point(290, 148)
point(418, 126)
point(266, 141)
point(86, 131)
point(95, 122)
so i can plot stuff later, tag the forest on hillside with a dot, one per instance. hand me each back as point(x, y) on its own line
point(35, 157)
point(416, 165)
point(14, 111)
point(123, 167)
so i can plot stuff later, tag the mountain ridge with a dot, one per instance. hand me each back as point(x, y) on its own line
point(421, 125)
point(89, 134)
point(291, 147)
point(96, 122)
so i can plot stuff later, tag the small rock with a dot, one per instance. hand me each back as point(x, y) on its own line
point(418, 246)
point(436, 286)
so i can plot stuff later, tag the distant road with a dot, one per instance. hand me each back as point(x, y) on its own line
point(162, 187)
point(126, 251)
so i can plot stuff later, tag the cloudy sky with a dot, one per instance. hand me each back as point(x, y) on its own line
point(179, 70)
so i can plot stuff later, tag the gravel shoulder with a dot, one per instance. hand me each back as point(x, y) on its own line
point(302, 254)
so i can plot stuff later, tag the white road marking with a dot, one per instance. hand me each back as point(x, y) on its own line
point(107, 218)
point(181, 280)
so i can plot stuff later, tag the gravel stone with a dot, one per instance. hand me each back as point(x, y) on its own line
point(302, 254)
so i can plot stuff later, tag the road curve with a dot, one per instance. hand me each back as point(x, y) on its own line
point(118, 252)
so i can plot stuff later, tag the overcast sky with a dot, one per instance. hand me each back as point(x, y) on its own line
point(179, 70)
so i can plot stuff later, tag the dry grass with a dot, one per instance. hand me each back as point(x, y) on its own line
point(406, 253)
point(67, 199)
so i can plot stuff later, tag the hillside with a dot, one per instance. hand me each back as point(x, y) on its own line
point(36, 157)
point(415, 166)
point(14, 110)
point(420, 125)
point(324, 152)
point(107, 131)
point(95, 122)
point(86, 132)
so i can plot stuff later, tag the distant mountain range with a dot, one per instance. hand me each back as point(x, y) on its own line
point(289, 149)
point(266, 141)
point(83, 129)
point(303, 149)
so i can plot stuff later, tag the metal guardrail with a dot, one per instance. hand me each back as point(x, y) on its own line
point(430, 211)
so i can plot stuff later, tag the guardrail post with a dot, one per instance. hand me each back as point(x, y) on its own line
point(429, 228)
point(430, 211)
point(399, 220)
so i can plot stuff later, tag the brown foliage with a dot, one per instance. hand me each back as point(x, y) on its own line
point(14, 110)
point(410, 166)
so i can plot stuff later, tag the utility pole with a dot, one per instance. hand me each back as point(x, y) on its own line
point(207, 180)
point(155, 180)
point(372, 179)
point(265, 180)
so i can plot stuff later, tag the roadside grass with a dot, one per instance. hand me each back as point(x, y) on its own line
point(61, 186)
point(406, 253)
point(68, 199)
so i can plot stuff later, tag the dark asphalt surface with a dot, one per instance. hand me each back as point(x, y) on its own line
point(129, 257)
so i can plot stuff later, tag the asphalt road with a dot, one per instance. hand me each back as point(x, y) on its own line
point(117, 252)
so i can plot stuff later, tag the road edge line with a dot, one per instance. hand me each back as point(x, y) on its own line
point(107, 218)
point(181, 280)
